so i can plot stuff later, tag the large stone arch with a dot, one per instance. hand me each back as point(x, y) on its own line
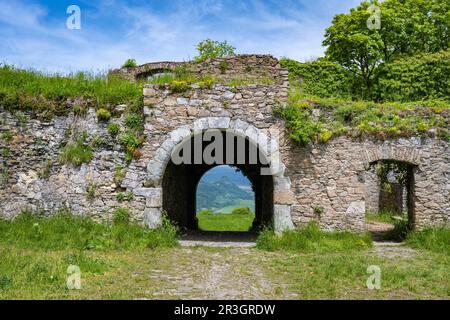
point(268, 146)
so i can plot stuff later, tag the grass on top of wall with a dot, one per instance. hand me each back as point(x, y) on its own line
point(66, 231)
point(311, 238)
point(49, 92)
point(311, 119)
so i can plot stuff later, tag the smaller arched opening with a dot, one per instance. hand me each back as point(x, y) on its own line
point(390, 199)
point(156, 75)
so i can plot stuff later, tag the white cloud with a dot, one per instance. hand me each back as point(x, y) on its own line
point(31, 38)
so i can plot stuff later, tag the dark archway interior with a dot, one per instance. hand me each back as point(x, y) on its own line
point(180, 182)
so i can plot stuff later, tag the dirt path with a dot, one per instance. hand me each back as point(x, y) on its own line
point(206, 274)
point(378, 229)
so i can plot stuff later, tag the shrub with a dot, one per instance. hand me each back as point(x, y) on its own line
point(320, 77)
point(6, 152)
point(319, 210)
point(91, 191)
point(121, 215)
point(212, 49)
point(130, 142)
point(206, 83)
point(7, 136)
point(223, 66)
point(77, 153)
point(242, 211)
point(312, 239)
point(419, 77)
point(130, 196)
point(97, 140)
point(399, 232)
point(119, 174)
point(134, 121)
point(130, 63)
point(177, 86)
point(120, 197)
point(113, 129)
point(103, 114)
point(311, 119)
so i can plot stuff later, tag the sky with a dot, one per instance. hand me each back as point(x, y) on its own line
point(34, 33)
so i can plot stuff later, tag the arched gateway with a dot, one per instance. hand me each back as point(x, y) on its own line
point(191, 150)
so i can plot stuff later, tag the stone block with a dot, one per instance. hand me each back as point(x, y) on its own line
point(219, 122)
point(153, 217)
point(282, 220)
point(284, 197)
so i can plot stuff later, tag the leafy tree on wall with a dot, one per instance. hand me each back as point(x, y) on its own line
point(212, 49)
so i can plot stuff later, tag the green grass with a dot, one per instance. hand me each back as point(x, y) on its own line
point(435, 239)
point(361, 118)
point(382, 216)
point(77, 152)
point(49, 93)
point(343, 275)
point(208, 221)
point(117, 263)
point(312, 239)
point(66, 231)
point(155, 274)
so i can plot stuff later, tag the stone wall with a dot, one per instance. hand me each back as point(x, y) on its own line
point(33, 178)
point(325, 182)
point(333, 176)
point(253, 68)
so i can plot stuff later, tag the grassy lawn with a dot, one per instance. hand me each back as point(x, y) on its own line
point(214, 273)
point(225, 221)
point(123, 261)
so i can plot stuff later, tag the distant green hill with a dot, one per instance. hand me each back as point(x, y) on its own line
point(224, 190)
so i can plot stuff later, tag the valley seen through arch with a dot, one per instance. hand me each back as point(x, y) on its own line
point(225, 200)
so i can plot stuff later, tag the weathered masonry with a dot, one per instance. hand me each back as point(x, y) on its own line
point(336, 176)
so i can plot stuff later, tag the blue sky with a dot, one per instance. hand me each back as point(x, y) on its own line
point(34, 32)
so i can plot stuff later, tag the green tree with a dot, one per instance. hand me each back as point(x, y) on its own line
point(213, 49)
point(406, 27)
point(130, 63)
point(353, 45)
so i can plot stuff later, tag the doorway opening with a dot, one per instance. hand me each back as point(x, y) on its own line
point(390, 199)
point(181, 182)
point(225, 200)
